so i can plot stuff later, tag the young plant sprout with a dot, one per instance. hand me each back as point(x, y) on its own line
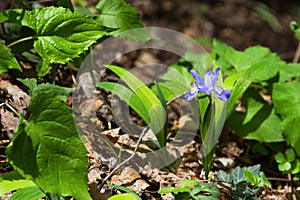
point(208, 86)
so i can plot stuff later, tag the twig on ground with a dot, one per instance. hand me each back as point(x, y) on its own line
point(297, 54)
point(125, 161)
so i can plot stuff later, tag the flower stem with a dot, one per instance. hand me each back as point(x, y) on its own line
point(21, 40)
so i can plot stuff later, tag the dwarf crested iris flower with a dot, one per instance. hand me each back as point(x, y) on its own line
point(208, 86)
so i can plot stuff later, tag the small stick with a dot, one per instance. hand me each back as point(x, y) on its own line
point(125, 161)
point(297, 54)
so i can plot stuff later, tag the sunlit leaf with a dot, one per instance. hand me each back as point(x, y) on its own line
point(46, 147)
point(7, 60)
point(61, 34)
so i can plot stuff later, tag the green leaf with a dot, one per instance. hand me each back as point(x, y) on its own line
point(12, 16)
point(296, 29)
point(206, 189)
point(151, 103)
point(288, 71)
point(61, 34)
point(237, 175)
point(46, 147)
point(259, 122)
point(188, 183)
point(175, 82)
point(125, 189)
point(251, 56)
point(7, 60)
point(31, 192)
point(280, 158)
point(166, 190)
point(12, 181)
point(290, 155)
point(118, 15)
point(285, 166)
point(125, 196)
point(286, 100)
point(258, 181)
point(42, 68)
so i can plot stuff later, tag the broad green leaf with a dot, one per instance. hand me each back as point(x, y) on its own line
point(285, 166)
point(7, 60)
point(286, 99)
point(31, 192)
point(35, 89)
point(42, 68)
point(258, 180)
point(290, 155)
point(206, 190)
point(121, 17)
point(280, 158)
point(46, 147)
point(175, 82)
point(61, 34)
point(188, 183)
point(288, 71)
point(243, 60)
point(259, 122)
point(128, 96)
point(152, 104)
point(12, 181)
point(124, 196)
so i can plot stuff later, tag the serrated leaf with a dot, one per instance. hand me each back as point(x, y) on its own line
point(121, 16)
point(61, 34)
point(31, 192)
point(7, 60)
point(12, 181)
point(46, 147)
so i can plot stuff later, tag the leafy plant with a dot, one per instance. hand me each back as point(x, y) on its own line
point(288, 162)
point(192, 189)
point(244, 182)
point(142, 100)
point(46, 150)
point(60, 35)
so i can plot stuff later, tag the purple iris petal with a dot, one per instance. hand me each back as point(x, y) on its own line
point(208, 86)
